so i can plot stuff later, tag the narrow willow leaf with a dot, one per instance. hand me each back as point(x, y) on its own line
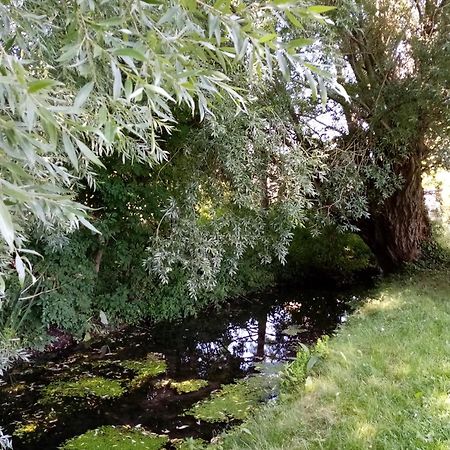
point(322, 73)
point(16, 192)
point(340, 90)
point(320, 9)
point(243, 49)
point(90, 155)
point(70, 150)
point(159, 90)
point(39, 85)
point(293, 20)
point(323, 92)
point(213, 23)
point(267, 38)
point(2, 285)
point(131, 53)
point(128, 88)
point(20, 268)
point(301, 42)
point(312, 84)
point(31, 252)
point(117, 84)
point(6, 225)
point(88, 225)
point(168, 16)
point(83, 95)
point(283, 65)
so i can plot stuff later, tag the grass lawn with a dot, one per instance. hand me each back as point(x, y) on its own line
point(384, 385)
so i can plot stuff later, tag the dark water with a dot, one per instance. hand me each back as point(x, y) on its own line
point(217, 346)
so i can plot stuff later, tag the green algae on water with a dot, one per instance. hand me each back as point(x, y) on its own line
point(235, 401)
point(33, 428)
point(184, 387)
point(150, 367)
point(83, 387)
point(121, 437)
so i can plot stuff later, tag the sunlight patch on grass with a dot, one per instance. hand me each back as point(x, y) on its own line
point(384, 384)
point(384, 303)
point(366, 431)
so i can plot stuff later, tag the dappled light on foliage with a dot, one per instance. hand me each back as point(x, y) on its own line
point(175, 176)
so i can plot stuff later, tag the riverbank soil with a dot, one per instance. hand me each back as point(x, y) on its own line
point(385, 383)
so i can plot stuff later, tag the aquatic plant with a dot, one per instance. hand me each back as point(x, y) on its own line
point(150, 367)
point(123, 438)
point(183, 387)
point(83, 387)
point(16, 388)
point(235, 401)
point(294, 374)
point(25, 429)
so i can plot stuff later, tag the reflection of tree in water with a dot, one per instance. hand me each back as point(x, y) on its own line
point(225, 345)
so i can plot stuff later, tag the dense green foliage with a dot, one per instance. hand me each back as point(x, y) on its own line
point(86, 79)
point(90, 95)
point(329, 254)
point(159, 157)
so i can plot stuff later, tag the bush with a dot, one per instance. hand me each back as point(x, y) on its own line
point(331, 253)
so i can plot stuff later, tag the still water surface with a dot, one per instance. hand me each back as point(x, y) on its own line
point(219, 347)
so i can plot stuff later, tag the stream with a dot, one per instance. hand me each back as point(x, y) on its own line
point(217, 347)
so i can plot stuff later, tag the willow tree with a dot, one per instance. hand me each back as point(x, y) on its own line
point(396, 70)
point(85, 79)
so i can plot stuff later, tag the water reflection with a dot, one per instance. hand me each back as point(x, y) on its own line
point(217, 346)
point(265, 329)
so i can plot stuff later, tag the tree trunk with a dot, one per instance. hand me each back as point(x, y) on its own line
point(396, 229)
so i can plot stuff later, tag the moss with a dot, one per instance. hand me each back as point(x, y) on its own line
point(15, 388)
point(150, 367)
point(234, 401)
point(35, 427)
point(83, 387)
point(123, 438)
point(184, 387)
point(26, 429)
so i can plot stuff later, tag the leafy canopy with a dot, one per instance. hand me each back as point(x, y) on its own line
point(83, 79)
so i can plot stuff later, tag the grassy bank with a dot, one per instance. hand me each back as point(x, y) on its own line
point(385, 383)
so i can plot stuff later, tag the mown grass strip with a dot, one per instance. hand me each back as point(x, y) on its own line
point(385, 383)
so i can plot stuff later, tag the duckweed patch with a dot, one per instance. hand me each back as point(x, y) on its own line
point(26, 429)
point(235, 401)
point(184, 387)
point(152, 366)
point(123, 438)
point(15, 388)
point(83, 387)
